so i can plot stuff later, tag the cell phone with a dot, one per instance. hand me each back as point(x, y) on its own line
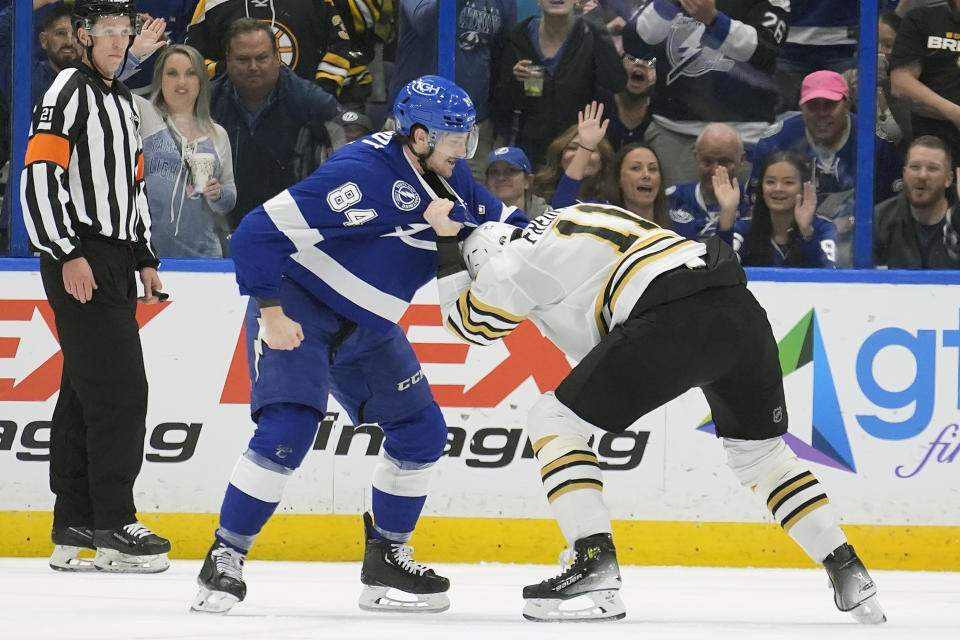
point(161, 296)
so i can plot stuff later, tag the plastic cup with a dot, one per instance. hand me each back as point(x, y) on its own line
point(533, 86)
point(201, 170)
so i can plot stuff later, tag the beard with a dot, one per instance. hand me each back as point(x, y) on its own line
point(63, 57)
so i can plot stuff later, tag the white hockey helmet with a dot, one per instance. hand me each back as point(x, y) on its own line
point(486, 241)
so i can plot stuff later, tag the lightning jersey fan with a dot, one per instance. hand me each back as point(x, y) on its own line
point(314, 229)
point(574, 302)
point(720, 73)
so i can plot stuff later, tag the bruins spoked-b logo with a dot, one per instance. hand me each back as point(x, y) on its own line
point(405, 197)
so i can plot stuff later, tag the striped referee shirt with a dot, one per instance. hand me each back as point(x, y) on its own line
point(83, 172)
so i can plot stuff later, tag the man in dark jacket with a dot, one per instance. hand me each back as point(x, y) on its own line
point(918, 229)
point(268, 112)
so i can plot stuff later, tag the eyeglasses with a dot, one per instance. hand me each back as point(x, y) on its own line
point(652, 62)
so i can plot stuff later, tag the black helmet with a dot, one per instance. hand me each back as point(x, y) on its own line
point(86, 12)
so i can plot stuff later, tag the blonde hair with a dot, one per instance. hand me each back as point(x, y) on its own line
point(201, 108)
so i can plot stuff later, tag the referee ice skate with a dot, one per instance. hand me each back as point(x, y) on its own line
point(86, 212)
point(648, 315)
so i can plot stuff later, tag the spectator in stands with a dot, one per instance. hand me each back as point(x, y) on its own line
point(362, 20)
point(918, 229)
point(822, 35)
point(183, 149)
point(176, 14)
point(629, 110)
point(271, 115)
point(575, 165)
point(482, 26)
point(826, 134)
point(715, 63)
point(551, 68)
point(924, 68)
point(310, 39)
point(695, 212)
point(58, 40)
point(509, 176)
point(348, 126)
point(784, 231)
point(635, 182)
point(893, 115)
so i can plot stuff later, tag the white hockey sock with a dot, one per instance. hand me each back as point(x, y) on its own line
point(792, 493)
point(571, 476)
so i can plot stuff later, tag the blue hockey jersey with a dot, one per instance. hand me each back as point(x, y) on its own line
point(691, 217)
point(817, 251)
point(833, 174)
point(353, 233)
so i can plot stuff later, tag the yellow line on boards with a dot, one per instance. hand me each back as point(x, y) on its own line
point(338, 538)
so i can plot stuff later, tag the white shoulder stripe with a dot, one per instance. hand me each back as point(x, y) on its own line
point(286, 215)
point(350, 286)
point(741, 42)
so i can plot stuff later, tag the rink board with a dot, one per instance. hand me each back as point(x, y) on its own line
point(872, 390)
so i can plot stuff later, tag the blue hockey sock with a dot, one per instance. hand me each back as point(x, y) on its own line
point(241, 518)
point(395, 517)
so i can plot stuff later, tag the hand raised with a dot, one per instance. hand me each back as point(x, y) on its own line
point(804, 211)
point(725, 190)
point(591, 128)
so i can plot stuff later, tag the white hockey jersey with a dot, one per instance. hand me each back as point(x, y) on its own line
point(576, 273)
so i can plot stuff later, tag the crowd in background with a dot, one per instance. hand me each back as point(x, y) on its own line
point(733, 118)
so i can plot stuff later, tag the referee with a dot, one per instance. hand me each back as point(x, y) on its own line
point(86, 212)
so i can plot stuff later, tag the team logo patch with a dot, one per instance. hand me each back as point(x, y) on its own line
point(681, 216)
point(405, 197)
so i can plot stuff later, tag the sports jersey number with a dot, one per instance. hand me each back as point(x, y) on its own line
point(378, 140)
point(775, 24)
point(619, 239)
point(46, 114)
point(346, 195)
point(358, 216)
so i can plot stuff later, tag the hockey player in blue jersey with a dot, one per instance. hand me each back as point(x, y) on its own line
point(332, 263)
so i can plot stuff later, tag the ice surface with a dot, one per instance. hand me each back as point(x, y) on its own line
point(288, 600)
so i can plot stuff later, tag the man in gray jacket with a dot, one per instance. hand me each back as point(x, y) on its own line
point(918, 229)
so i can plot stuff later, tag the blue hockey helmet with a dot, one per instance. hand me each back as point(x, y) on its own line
point(444, 109)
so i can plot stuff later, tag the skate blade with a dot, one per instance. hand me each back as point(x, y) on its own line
point(112, 561)
point(66, 558)
point(869, 612)
point(216, 602)
point(601, 606)
point(390, 599)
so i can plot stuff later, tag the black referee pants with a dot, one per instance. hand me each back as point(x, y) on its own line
point(98, 424)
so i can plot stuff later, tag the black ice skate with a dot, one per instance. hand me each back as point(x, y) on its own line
point(594, 573)
point(221, 580)
point(132, 548)
point(70, 541)
point(853, 589)
point(389, 567)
